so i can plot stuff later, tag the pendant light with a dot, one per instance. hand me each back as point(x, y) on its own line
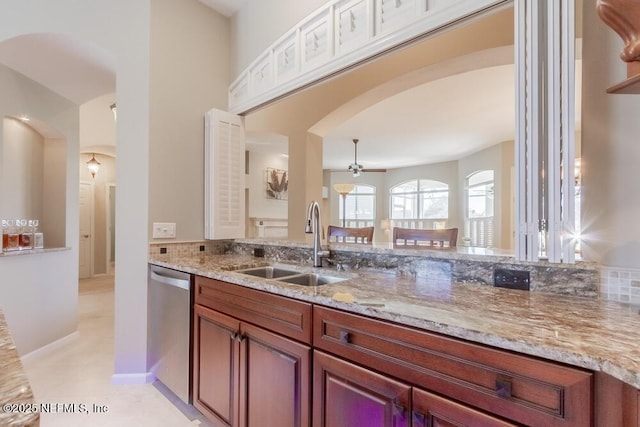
point(93, 165)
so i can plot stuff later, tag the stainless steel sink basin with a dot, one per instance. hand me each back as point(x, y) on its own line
point(268, 272)
point(311, 279)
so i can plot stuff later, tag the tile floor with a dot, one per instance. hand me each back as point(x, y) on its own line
point(80, 372)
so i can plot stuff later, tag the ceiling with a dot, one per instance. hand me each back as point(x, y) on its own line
point(442, 120)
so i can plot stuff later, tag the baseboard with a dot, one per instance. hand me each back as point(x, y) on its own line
point(48, 348)
point(138, 378)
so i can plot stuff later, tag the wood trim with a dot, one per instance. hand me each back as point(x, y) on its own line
point(283, 315)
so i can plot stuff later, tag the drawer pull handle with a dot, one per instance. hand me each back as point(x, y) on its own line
point(239, 337)
point(419, 419)
point(503, 387)
point(345, 337)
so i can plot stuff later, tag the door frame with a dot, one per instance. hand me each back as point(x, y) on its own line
point(92, 215)
point(109, 186)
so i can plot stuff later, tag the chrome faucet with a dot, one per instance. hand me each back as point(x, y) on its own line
point(313, 226)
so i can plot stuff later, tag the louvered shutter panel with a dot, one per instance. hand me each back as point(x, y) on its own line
point(224, 215)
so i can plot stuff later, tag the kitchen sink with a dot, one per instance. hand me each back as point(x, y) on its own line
point(311, 279)
point(268, 272)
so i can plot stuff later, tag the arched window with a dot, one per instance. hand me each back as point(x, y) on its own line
point(422, 203)
point(478, 229)
point(360, 206)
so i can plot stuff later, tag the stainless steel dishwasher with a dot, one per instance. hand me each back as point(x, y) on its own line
point(169, 329)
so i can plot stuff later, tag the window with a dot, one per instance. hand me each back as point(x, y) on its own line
point(420, 203)
point(478, 230)
point(480, 194)
point(360, 206)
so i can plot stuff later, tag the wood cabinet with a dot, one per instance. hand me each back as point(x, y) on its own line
point(253, 355)
point(346, 395)
point(431, 410)
point(216, 365)
point(515, 387)
point(245, 375)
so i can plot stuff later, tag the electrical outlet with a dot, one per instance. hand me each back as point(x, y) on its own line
point(512, 279)
point(164, 230)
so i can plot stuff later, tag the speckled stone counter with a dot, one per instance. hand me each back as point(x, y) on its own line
point(585, 332)
point(16, 398)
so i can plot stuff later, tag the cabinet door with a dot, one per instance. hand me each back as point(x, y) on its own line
point(430, 410)
point(216, 358)
point(274, 380)
point(224, 174)
point(347, 395)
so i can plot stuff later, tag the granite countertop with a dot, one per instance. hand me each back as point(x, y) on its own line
point(18, 407)
point(584, 332)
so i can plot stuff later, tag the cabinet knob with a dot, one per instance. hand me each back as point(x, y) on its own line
point(503, 387)
point(345, 337)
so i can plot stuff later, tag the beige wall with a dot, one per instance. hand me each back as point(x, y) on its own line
point(189, 76)
point(22, 171)
point(610, 151)
point(54, 210)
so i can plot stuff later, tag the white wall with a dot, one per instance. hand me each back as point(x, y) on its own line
point(39, 291)
point(261, 22)
point(121, 28)
point(39, 297)
point(610, 152)
point(498, 157)
point(260, 206)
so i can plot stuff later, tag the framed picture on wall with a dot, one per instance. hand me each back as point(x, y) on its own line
point(277, 183)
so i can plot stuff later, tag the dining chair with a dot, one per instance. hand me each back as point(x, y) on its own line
point(414, 237)
point(362, 235)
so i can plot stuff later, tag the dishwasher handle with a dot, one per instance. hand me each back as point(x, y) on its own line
point(157, 276)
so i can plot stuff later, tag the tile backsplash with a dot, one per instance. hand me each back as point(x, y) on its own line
point(190, 248)
point(620, 284)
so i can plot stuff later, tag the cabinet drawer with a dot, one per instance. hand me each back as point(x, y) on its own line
point(279, 314)
point(517, 387)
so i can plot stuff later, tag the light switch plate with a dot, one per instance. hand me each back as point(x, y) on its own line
point(164, 230)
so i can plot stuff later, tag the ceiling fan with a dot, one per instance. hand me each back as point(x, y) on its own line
point(356, 168)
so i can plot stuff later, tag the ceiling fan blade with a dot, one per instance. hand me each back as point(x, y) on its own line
point(373, 170)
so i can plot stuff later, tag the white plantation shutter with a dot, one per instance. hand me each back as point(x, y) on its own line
point(224, 176)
